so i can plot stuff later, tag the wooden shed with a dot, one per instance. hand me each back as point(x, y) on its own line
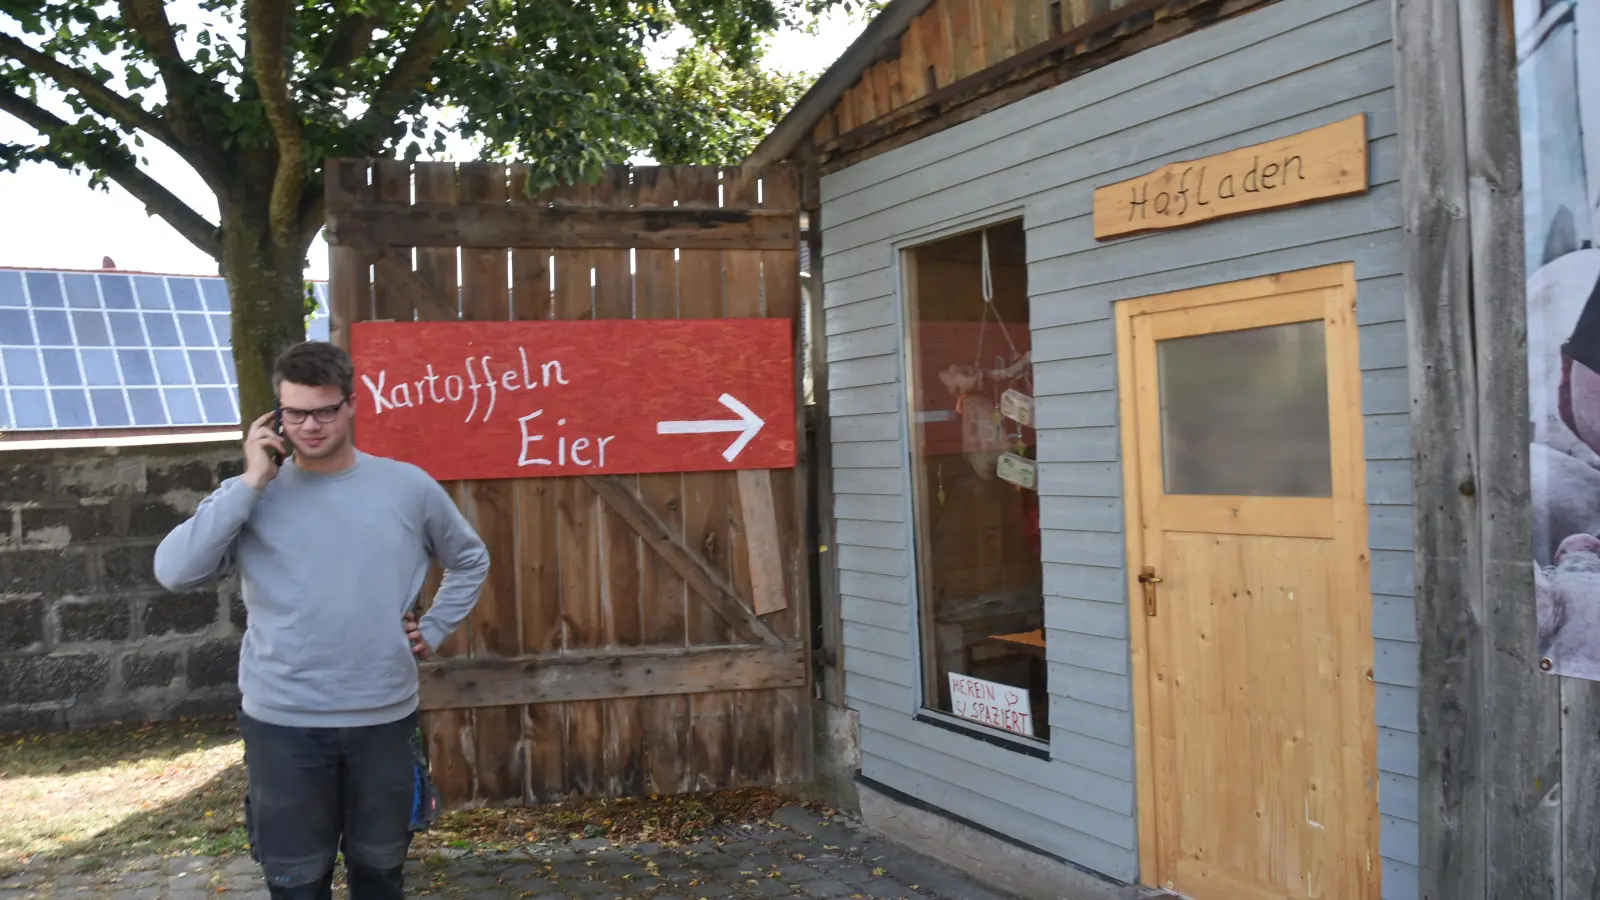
point(1171, 361)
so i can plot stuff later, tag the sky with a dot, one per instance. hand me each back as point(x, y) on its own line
point(50, 218)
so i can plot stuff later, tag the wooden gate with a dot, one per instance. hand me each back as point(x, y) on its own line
point(617, 648)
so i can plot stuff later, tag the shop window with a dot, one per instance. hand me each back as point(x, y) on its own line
point(973, 453)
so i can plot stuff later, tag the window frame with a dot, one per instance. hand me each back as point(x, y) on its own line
point(903, 275)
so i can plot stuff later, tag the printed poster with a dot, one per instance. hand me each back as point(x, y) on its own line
point(1558, 69)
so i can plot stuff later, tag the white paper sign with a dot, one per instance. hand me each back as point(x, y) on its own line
point(996, 705)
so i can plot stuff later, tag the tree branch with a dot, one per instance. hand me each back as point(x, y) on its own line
point(121, 168)
point(402, 81)
point(267, 25)
point(349, 40)
point(183, 86)
point(97, 94)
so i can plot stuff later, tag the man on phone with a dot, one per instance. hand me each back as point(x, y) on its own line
point(332, 546)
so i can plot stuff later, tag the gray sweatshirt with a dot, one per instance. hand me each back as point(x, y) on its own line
point(328, 565)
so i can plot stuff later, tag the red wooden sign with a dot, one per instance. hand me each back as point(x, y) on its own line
point(476, 400)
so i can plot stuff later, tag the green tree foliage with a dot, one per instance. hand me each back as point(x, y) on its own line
point(255, 94)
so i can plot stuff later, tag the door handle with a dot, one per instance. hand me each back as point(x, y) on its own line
point(1148, 578)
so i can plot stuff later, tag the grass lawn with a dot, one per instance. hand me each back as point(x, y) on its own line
point(178, 787)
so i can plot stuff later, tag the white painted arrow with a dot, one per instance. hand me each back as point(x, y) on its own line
point(748, 424)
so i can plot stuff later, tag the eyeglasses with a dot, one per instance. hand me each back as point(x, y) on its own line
point(323, 414)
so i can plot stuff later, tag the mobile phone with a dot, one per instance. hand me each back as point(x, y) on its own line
point(277, 428)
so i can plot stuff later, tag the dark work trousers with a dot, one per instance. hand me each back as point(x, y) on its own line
point(317, 791)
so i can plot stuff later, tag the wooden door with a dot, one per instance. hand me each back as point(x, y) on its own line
point(637, 634)
point(1248, 576)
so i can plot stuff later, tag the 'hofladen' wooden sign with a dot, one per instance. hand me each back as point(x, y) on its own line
point(1319, 164)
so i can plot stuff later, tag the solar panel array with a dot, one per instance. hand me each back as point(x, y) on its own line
point(115, 350)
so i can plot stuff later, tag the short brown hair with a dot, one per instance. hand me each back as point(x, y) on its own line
point(315, 364)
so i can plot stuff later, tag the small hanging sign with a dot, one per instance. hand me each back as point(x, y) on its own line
point(1018, 470)
point(1017, 406)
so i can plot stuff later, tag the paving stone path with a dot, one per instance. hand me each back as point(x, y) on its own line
point(799, 855)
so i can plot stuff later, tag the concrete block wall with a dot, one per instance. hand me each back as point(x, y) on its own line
point(87, 635)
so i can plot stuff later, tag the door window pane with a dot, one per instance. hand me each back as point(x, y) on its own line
point(1245, 413)
point(980, 580)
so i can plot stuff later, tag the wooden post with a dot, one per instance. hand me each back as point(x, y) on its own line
point(1490, 733)
point(830, 621)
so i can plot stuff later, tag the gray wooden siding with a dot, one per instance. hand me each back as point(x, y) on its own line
point(1287, 67)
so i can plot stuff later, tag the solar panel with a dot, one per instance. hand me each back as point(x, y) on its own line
point(114, 350)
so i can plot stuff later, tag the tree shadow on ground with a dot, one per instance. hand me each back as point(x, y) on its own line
point(73, 752)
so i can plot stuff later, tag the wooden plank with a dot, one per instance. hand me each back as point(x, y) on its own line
point(1523, 743)
point(705, 494)
point(562, 226)
point(538, 518)
point(706, 581)
point(579, 542)
point(663, 594)
point(1448, 558)
point(490, 506)
point(706, 502)
point(450, 732)
point(1320, 164)
point(964, 31)
point(349, 288)
point(394, 296)
point(936, 41)
point(999, 28)
point(913, 65)
point(755, 558)
point(620, 546)
point(1030, 22)
point(600, 676)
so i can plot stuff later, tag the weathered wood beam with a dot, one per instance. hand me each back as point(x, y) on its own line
point(701, 578)
point(409, 286)
point(1522, 706)
point(1491, 780)
point(1450, 614)
point(565, 678)
point(379, 224)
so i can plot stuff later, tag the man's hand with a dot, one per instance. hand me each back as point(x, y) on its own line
point(419, 645)
point(259, 468)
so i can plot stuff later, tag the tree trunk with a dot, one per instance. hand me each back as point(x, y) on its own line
point(266, 284)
